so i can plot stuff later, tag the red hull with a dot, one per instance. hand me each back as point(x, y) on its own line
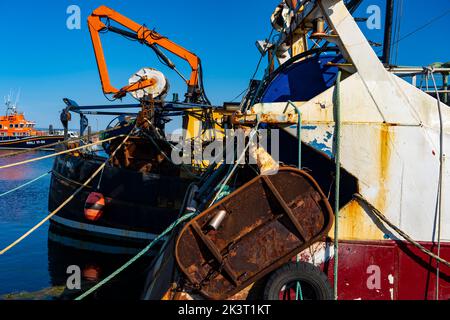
point(384, 270)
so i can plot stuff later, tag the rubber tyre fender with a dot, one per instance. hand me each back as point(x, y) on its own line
point(306, 273)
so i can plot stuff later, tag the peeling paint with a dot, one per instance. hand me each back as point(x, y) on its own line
point(391, 279)
point(318, 253)
point(321, 147)
point(309, 127)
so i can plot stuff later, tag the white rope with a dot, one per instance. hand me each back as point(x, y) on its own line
point(100, 168)
point(25, 184)
point(57, 153)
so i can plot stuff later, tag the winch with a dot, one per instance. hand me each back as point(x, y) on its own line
point(157, 90)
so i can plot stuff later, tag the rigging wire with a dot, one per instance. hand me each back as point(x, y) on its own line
point(360, 198)
point(397, 33)
point(440, 181)
point(257, 66)
point(224, 182)
point(431, 21)
point(425, 25)
point(239, 95)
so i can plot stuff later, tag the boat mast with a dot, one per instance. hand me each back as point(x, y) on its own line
point(388, 32)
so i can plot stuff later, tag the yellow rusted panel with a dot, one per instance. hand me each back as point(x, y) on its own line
point(194, 127)
point(299, 44)
point(354, 222)
point(195, 132)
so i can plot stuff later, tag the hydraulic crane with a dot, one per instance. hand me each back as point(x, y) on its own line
point(99, 22)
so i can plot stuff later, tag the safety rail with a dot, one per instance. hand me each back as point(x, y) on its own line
point(420, 78)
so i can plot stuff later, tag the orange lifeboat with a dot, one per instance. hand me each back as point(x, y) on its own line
point(14, 124)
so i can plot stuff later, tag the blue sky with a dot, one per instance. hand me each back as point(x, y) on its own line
point(48, 62)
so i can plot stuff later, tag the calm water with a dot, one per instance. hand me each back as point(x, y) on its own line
point(36, 268)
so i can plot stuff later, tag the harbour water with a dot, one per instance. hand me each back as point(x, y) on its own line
point(37, 267)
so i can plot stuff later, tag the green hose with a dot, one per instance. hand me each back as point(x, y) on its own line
point(298, 286)
point(337, 156)
point(180, 220)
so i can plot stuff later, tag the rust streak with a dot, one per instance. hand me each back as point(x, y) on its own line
point(384, 162)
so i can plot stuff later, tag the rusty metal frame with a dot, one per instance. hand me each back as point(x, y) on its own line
point(225, 268)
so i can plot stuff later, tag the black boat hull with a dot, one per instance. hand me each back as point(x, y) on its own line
point(29, 142)
point(141, 205)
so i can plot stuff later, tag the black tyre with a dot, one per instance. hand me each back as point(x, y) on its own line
point(282, 283)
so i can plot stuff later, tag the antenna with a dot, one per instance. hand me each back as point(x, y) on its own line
point(7, 100)
point(17, 98)
point(388, 32)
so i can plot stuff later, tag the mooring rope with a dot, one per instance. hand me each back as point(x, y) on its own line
point(137, 256)
point(25, 184)
point(74, 139)
point(405, 236)
point(58, 153)
point(100, 168)
point(183, 209)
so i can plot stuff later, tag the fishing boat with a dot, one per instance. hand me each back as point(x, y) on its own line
point(351, 209)
point(140, 191)
point(16, 132)
point(129, 204)
point(372, 134)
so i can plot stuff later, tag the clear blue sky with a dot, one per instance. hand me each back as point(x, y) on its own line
point(49, 62)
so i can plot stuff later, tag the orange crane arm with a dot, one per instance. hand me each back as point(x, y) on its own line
point(144, 35)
